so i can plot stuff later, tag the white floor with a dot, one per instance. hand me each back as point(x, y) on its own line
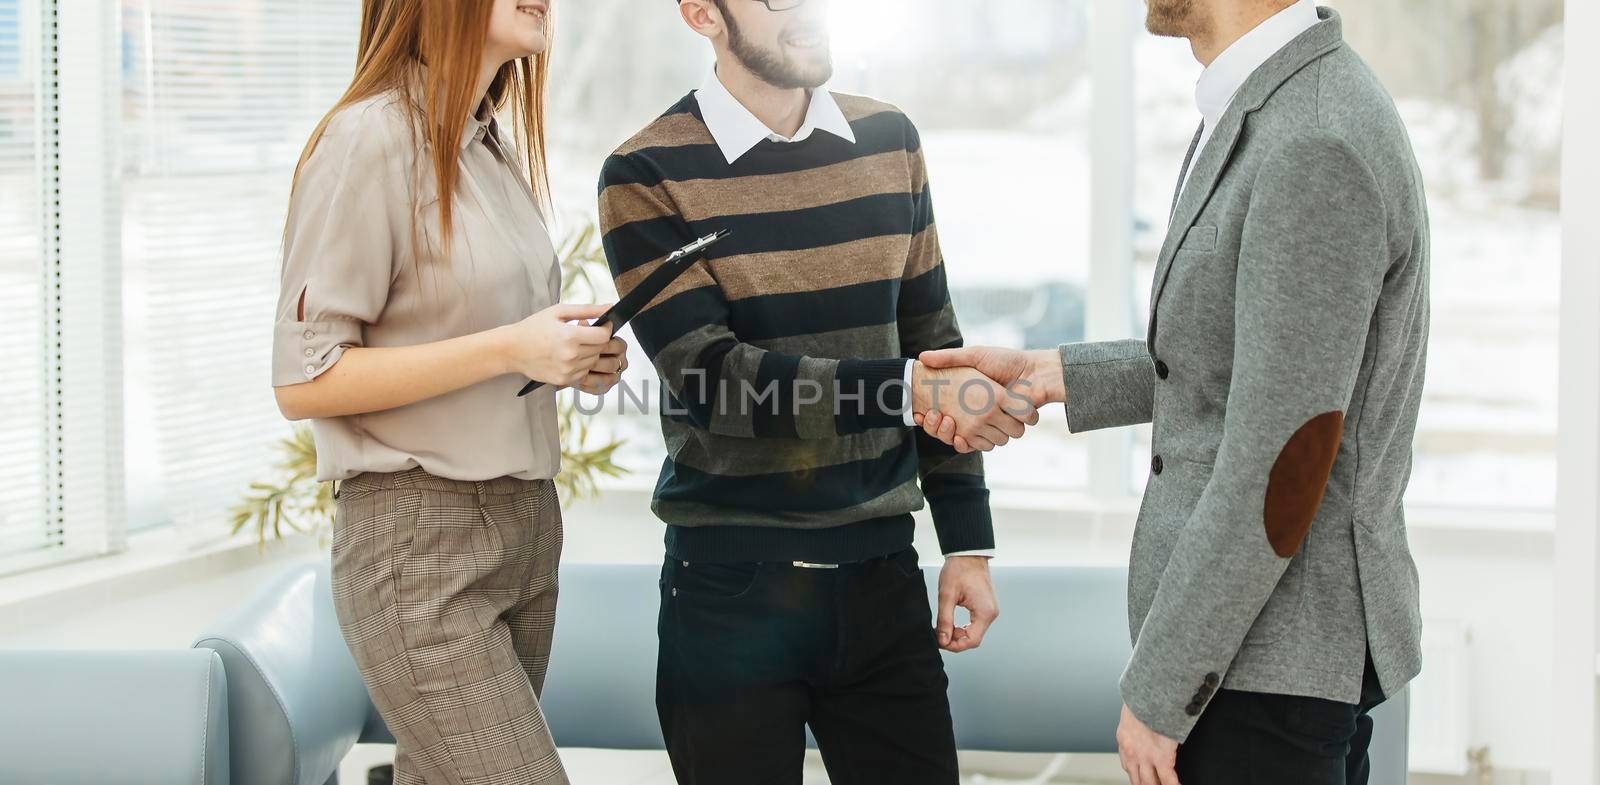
point(612, 767)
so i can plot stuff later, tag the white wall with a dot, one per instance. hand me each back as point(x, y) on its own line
point(1578, 468)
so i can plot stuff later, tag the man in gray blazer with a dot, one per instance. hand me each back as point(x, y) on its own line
point(1272, 597)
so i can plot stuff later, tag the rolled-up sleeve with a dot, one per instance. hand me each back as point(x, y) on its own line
point(339, 246)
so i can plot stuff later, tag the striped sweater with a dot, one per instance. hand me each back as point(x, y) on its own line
point(781, 358)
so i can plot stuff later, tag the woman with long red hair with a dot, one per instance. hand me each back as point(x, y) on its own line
point(419, 288)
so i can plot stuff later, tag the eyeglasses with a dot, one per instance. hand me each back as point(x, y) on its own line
point(782, 5)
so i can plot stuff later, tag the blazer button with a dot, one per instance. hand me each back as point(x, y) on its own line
point(1156, 465)
point(1162, 370)
point(1212, 679)
point(1193, 709)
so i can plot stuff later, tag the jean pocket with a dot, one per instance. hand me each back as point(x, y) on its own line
point(1320, 722)
point(707, 581)
point(906, 564)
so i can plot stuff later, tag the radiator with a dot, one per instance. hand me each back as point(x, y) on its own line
point(1441, 700)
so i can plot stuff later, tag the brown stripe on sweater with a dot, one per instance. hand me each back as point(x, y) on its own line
point(924, 254)
point(813, 269)
point(860, 107)
point(693, 278)
point(785, 272)
point(626, 203)
point(675, 130)
point(698, 200)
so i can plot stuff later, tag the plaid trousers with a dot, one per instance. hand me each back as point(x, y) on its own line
point(445, 591)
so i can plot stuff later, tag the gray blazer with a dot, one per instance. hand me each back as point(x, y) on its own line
point(1282, 372)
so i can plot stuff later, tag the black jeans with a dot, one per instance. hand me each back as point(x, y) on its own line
point(1252, 738)
point(752, 653)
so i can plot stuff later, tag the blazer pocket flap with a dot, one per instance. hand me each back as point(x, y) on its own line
point(1200, 238)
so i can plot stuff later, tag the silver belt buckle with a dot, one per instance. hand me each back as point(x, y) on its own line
point(814, 566)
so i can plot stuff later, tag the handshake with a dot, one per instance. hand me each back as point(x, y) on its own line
point(980, 398)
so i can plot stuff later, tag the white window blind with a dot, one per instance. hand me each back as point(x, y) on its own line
point(29, 512)
point(218, 98)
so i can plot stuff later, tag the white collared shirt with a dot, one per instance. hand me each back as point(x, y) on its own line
point(1222, 79)
point(737, 131)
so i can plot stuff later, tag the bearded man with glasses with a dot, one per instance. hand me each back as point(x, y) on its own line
point(791, 595)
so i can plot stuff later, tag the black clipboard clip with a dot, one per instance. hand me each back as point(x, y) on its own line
point(676, 264)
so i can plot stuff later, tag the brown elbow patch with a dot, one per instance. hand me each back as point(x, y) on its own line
point(1298, 479)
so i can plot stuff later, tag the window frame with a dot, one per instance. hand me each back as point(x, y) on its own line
point(82, 285)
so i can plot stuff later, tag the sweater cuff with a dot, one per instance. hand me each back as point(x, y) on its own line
point(963, 521)
point(908, 418)
point(871, 394)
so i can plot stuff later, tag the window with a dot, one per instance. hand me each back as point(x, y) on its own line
point(27, 199)
point(1000, 94)
point(1033, 123)
point(1479, 86)
point(218, 99)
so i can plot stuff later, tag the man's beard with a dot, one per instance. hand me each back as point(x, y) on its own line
point(774, 68)
point(1174, 18)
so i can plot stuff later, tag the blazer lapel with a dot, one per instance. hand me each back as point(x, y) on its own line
point(1207, 169)
point(1183, 176)
point(1212, 163)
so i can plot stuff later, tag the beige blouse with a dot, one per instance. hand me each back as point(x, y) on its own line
point(350, 248)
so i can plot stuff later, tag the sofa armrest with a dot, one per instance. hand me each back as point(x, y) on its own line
point(297, 701)
point(113, 717)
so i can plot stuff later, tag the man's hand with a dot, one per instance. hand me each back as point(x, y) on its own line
point(974, 406)
point(964, 581)
point(1148, 757)
point(1034, 375)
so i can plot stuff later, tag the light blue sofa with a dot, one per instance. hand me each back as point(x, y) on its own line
point(270, 695)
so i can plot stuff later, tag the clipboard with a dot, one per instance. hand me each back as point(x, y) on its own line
point(676, 264)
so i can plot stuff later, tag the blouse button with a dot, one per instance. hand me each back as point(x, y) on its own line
point(309, 335)
point(310, 369)
point(310, 352)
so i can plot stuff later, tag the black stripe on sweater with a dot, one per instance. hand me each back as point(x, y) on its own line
point(880, 133)
point(818, 489)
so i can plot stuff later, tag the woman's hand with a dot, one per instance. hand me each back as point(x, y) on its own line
point(607, 371)
point(549, 347)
